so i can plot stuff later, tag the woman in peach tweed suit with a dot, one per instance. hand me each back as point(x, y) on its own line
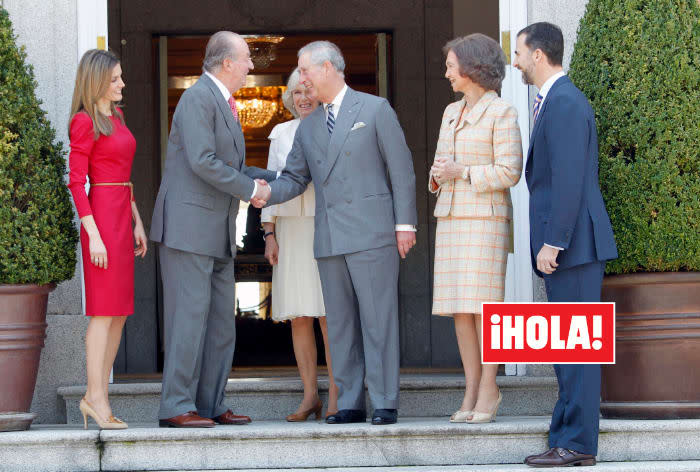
point(478, 158)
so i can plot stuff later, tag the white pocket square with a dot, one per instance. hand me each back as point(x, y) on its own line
point(357, 125)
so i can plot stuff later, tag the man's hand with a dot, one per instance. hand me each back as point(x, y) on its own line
point(263, 194)
point(446, 169)
point(405, 240)
point(547, 259)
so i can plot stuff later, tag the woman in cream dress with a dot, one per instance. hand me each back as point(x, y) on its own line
point(289, 237)
point(478, 158)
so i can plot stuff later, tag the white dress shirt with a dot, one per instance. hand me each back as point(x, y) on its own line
point(336, 110)
point(227, 94)
point(543, 93)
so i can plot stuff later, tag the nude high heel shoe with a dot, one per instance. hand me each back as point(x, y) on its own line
point(460, 416)
point(112, 423)
point(479, 417)
point(303, 416)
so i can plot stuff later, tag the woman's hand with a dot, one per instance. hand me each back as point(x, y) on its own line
point(98, 252)
point(271, 249)
point(141, 240)
point(446, 169)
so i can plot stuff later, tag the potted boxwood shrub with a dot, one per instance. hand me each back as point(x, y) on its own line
point(638, 61)
point(37, 235)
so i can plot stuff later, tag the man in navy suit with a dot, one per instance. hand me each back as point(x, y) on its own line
point(570, 232)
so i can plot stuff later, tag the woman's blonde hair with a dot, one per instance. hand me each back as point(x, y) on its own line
point(288, 94)
point(91, 83)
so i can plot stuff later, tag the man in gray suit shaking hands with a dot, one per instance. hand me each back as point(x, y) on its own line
point(194, 221)
point(355, 152)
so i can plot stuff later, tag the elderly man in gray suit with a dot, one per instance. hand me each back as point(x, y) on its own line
point(355, 152)
point(195, 221)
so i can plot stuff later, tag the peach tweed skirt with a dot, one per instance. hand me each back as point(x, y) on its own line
point(470, 263)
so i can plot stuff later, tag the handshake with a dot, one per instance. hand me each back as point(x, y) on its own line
point(262, 195)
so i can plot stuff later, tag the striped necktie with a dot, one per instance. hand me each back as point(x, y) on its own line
point(234, 109)
point(538, 102)
point(330, 122)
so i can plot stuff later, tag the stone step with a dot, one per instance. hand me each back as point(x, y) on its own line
point(647, 466)
point(432, 443)
point(422, 395)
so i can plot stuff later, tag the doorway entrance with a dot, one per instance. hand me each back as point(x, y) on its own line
point(414, 66)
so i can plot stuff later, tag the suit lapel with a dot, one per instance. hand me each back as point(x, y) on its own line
point(541, 113)
point(319, 128)
point(349, 109)
point(233, 126)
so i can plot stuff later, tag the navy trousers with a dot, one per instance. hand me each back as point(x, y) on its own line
point(575, 419)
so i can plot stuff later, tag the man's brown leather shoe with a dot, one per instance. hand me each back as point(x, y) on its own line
point(560, 457)
point(229, 418)
point(537, 455)
point(186, 420)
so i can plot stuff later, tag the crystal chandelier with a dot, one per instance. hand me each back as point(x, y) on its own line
point(262, 49)
point(258, 105)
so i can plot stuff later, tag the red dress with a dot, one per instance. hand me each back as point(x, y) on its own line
point(108, 292)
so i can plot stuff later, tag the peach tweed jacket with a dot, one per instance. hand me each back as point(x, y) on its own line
point(487, 140)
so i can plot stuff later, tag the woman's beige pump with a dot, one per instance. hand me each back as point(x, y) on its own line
point(112, 423)
point(460, 416)
point(479, 417)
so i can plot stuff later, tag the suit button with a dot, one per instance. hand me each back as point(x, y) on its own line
point(349, 200)
point(347, 153)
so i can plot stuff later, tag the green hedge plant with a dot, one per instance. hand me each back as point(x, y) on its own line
point(638, 62)
point(37, 234)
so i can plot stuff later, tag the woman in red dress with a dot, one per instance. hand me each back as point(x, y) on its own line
point(102, 148)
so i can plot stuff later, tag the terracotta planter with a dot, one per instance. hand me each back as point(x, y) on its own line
point(657, 374)
point(22, 333)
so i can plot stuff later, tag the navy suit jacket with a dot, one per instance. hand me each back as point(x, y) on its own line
point(566, 206)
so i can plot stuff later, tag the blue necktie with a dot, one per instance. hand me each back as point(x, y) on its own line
point(330, 122)
point(538, 102)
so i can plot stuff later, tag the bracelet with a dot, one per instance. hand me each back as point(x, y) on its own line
point(267, 234)
point(465, 175)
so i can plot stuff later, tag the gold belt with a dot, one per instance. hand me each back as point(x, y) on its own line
point(116, 184)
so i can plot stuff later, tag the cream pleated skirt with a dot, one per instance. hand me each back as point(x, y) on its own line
point(470, 263)
point(296, 285)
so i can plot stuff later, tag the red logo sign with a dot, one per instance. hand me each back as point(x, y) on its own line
point(548, 333)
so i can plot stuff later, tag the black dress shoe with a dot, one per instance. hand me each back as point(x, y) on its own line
point(384, 416)
point(347, 416)
point(561, 457)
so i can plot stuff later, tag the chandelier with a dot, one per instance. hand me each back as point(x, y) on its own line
point(263, 49)
point(259, 102)
point(257, 105)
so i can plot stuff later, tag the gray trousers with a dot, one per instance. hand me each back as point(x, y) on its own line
point(200, 332)
point(360, 291)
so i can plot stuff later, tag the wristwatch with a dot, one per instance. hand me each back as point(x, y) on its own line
point(267, 234)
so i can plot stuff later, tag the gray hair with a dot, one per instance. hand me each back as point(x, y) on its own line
point(322, 51)
point(288, 95)
point(221, 46)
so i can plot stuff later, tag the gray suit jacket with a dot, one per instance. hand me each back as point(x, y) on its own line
point(363, 177)
point(205, 176)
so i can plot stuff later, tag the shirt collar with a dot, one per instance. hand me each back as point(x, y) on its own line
point(224, 91)
point(548, 84)
point(337, 100)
